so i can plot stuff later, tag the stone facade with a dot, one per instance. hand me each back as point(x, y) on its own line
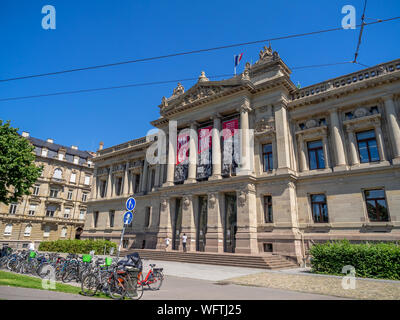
point(57, 207)
point(321, 163)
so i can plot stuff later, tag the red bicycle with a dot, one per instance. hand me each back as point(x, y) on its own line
point(154, 278)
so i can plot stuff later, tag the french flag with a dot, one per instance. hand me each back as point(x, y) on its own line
point(237, 59)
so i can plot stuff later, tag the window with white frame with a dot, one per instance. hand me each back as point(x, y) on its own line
point(87, 180)
point(76, 160)
point(36, 189)
point(61, 156)
point(73, 177)
point(46, 231)
point(67, 212)
point(8, 229)
point(32, 209)
point(69, 196)
point(53, 193)
point(44, 152)
point(84, 196)
point(82, 214)
point(57, 174)
point(13, 208)
point(28, 230)
point(64, 232)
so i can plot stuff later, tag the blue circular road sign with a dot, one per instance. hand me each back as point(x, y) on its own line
point(128, 216)
point(130, 204)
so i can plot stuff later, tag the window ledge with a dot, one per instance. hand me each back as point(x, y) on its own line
point(370, 165)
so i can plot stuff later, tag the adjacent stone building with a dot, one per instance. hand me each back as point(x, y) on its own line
point(324, 164)
point(57, 207)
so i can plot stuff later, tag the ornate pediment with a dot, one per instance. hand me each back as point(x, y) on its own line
point(267, 55)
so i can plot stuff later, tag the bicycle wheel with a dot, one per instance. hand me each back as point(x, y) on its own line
point(155, 280)
point(132, 292)
point(116, 288)
point(68, 275)
point(89, 284)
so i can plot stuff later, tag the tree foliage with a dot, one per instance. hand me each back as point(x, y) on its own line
point(18, 171)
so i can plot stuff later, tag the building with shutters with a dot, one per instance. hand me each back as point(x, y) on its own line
point(57, 207)
point(265, 167)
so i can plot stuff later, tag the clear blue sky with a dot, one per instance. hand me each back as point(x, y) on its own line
point(99, 32)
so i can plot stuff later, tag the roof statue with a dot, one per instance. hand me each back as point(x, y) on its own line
point(178, 90)
point(203, 77)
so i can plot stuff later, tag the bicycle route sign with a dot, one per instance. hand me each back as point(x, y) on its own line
point(130, 204)
point(128, 216)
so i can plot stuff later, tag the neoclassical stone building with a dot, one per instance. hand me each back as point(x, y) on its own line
point(57, 207)
point(321, 163)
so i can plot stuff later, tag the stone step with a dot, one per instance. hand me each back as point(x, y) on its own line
point(225, 259)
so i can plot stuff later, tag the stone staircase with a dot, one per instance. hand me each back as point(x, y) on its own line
point(270, 261)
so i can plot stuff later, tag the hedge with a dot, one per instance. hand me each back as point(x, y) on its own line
point(379, 260)
point(77, 246)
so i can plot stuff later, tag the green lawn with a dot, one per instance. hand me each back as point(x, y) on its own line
point(17, 280)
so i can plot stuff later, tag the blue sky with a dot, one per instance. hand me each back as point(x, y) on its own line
point(99, 32)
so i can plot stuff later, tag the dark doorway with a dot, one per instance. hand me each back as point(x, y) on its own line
point(78, 233)
point(201, 224)
point(230, 223)
point(177, 227)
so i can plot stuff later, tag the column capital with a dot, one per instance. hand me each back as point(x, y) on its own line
point(333, 110)
point(193, 124)
point(388, 96)
point(215, 115)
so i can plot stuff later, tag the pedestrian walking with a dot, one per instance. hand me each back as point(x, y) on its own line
point(184, 239)
point(166, 243)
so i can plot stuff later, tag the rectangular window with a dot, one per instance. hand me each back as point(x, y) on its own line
point(44, 152)
point(95, 218)
point(46, 231)
point(367, 147)
point(32, 209)
point(152, 179)
point(76, 160)
point(73, 178)
point(137, 183)
point(53, 193)
point(67, 212)
point(64, 232)
point(84, 196)
point(61, 156)
point(103, 184)
point(268, 209)
point(36, 189)
point(267, 157)
point(376, 205)
point(13, 208)
point(82, 214)
point(111, 214)
point(87, 180)
point(147, 217)
point(319, 208)
point(118, 187)
point(316, 157)
point(50, 211)
point(69, 196)
point(8, 230)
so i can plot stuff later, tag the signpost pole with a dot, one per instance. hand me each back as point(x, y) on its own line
point(120, 242)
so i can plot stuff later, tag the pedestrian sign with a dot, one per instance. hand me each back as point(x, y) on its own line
point(128, 216)
point(130, 204)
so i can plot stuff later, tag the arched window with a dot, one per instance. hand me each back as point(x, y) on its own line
point(28, 230)
point(57, 174)
point(63, 232)
point(8, 229)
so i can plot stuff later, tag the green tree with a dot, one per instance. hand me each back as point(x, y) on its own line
point(18, 171)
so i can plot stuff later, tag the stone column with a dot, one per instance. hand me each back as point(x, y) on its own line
point(216, 148)
point(379, 140)
point(245, 156)
point(125, 189)
point(246, 235)
point(109, 186)
point(326, 154)
point(337, 137)
point(144, 180)
point(215, 230)
point(193, 147)
point(302, 150)
point(282, 137)
point(188, 225)
point(165, 227)
point(94, 185)
point(172, 148)
point(393, 125)
point(353, 146)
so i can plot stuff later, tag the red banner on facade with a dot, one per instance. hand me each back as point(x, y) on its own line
point(182, 147)
point(230, 128)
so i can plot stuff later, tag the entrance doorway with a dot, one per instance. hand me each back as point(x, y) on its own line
point(78, 233)
point(177, 227)
point(230, 223)
point(201, 224)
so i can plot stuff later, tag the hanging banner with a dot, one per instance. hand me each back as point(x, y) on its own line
point(182, 156)
point(230, 139)
point(204, 159)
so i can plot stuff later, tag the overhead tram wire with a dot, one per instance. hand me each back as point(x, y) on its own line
point(190, 52)
point(153, 83)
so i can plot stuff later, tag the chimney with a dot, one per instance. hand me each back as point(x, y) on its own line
point(25, 134)
point(74, 147)
point(50, 140)
point(101, 145)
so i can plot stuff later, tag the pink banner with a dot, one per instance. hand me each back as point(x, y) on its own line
point(182, 147)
